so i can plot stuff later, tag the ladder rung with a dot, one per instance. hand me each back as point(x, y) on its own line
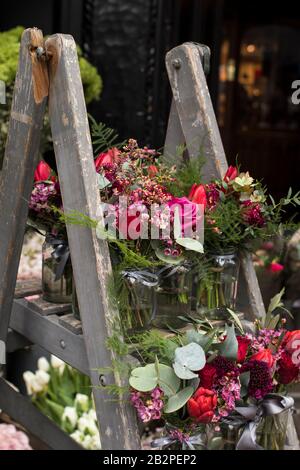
point(47, 332)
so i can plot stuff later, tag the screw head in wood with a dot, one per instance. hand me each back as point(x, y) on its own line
point(40, 51)
point(176, 63)
point(102, 380)
point(62, 344)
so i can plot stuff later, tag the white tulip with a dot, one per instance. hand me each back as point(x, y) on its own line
point(42, 377)
point(88, 442)
point(29, 378)
point(43, 364)
point(78, 436)
point(82, 402)
point(92, 414)
point(57, 363)
point(70, 415)
point(96, 444)
point(86, 424)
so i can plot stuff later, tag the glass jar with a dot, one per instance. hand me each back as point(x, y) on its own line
point(174, 438)
point(217, 290)
point(56, 270)
point(156, 298)
point(271, 432)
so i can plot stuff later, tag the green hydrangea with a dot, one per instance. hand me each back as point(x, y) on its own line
point(9, 53)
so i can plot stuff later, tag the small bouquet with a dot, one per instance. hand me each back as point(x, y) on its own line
point(64, 395)
point(219, 388)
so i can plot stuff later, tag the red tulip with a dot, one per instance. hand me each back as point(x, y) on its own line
point(230, 174)
point(152, 171)
point(202, 405)
point(42, 171)
point(243, 344)
point(198, 194)
point(109, 157)
point(264, 355)
point(275, 267)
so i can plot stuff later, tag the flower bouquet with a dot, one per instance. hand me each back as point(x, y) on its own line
point(64, 395)
point(238, 213)
point(219, 389)
point(44, 206)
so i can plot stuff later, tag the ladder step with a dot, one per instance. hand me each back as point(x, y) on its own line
point(50, 334)
point(41, 306)
point(71, 323)
point(28, 287)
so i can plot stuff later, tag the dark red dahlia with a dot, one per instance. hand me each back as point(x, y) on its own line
point(207, 376)
point(212, 195)
point(223, 366)
point(260, 379)
point(252, 214)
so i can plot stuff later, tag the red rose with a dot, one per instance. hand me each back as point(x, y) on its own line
point(152, 171)
point(207, 375)
point(42, 171)
point(291, 341)
point(202, 405)
point(275, 268)
point(264, 355)
point(109, 157)
point(243, 344)
point(230, 174)
point(287, 371)
point(198, 194)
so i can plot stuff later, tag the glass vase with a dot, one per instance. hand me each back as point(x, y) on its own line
point(156, 298)
point(56, 285)
point(174, 438)
point(217, 290)
point(272, 431)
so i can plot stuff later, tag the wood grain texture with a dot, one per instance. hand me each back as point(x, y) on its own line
point(21, 157)
point(20, 409)
point(90, 257)
point(199, 130)
point(45, 308)
point(195, 110)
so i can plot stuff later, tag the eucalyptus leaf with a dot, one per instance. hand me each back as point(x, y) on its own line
point(183, 372)
point(229, 347)
point(179, 400)
point(144, 379)
point(190, 244)
point(188, 359)
point(244, 379)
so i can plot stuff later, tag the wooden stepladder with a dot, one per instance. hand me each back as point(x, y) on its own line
point(49, 72)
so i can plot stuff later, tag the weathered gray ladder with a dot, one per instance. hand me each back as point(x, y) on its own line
point(49, 71)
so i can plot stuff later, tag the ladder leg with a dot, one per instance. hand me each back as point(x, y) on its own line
point(201, 133)
point(90, 257)
point(21, 157)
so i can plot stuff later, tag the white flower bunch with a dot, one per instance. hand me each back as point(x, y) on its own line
point(36, 383)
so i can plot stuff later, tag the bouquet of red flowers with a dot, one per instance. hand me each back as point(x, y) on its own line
point(207, 381)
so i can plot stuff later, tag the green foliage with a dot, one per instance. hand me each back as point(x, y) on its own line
point(9, 55)
point(103, 137)
point(187, 173)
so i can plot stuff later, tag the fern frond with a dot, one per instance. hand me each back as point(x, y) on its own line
point(103, 137)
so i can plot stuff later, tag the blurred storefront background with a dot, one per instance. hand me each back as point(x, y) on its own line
point(255, 59)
